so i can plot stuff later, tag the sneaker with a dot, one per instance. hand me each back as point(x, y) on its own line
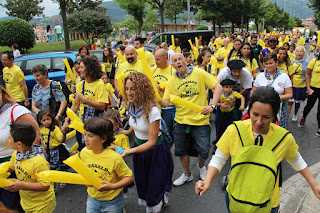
point(203, 171)
point(302, 122)
point(318, 133)
point(182, 179)
point(294, 118)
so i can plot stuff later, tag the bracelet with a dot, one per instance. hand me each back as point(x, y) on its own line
point(26, 100)
point(59, 114)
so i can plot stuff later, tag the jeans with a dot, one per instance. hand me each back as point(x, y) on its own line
point(105, 206)
point(273, 210)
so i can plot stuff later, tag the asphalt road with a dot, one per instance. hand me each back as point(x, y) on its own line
point(183, 199)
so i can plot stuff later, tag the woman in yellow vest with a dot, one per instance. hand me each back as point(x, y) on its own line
point(263, 108)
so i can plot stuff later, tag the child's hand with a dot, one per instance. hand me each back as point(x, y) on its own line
point(201, 187)
point(223, 105)
point(241, 108)
point(64, 129)
point(106, 186)
point(113, 147)
point(15, 186)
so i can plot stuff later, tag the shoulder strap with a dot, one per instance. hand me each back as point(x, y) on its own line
point(83, 87)
point(51, 93)
point(209, 68)
point(12, 118)
point(48, 143)
point(243, 133)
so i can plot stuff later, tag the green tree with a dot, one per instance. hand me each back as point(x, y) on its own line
point(78, 5)
point(173, 9)
point(63, 12)
point(159, 5)
point(89, 23)
point(23, 9)
point(17, 31)
point(315, 5)
point(135, 8)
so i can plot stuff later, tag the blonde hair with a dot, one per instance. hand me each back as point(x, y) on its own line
point(144, 92)
point(6, 96)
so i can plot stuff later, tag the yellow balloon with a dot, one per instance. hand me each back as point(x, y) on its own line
point(69, 70)
point(4, 170)
point(172, 41)
point(74, 147)
point(76, 123)
point(122, 58)
point(5, 182)
point(79, 166)
point(62, 177)
point(120, 80)
point(71, 134)
point(176, 100)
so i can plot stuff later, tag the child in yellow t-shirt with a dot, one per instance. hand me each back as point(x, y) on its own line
point(51, 139)
point(226, 107)
point(108, 165)
point(110, 89)
point(36, 194)
point(121, 141)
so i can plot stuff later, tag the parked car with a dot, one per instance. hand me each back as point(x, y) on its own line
point(52, 60)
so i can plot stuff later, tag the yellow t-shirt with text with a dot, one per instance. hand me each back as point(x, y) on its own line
point(297, 80)
point(250, 65)
point(162, 75)
point(230, 144)
point(150, 58)
point(109, 89)
point(26, 170)
point(55, 137)
point(234, 56)
point(108, 166)
point(221, 53)
point(314, 65)
point(12, 77)
point(228, 99)
point(219, 42)
point(177, 49)
point(193, 89)
point(291, 55)
point(286, 69)
point(127, 68)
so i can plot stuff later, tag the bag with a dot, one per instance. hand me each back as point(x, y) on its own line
point(53, 105)
point(254, 172)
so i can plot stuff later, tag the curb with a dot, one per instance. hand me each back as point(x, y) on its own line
point(294, 191)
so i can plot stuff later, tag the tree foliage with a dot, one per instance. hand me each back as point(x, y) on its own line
point(17, 31)
point(79, 5)
point(173, 8)
point(315, 5)
point(23, 9)
point(88, 23)
point(160, 6)
point(135, 8)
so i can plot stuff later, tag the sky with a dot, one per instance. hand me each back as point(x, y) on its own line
point(50, 8)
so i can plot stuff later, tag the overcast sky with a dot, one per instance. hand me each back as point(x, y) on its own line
point(50, 8)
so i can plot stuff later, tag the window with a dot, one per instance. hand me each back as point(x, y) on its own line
point(58, 64)
point(18, 63)
point(32, 62)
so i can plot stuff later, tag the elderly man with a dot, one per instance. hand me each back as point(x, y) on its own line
point(190, 84)
point(131, 65)
point(165, 46)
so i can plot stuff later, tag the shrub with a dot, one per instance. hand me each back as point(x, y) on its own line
point(202, 27)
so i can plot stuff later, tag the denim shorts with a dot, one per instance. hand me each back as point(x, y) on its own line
point(105, 206)
point(200, 136)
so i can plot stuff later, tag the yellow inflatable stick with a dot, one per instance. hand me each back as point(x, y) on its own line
point(4, 170)
point(78, 165)
point(76, 123)
point(176, 100)
point(62, 177)
point(71, 97)
point(69, 69)
point(286, 39)
point(265, 32)
point(71, 134)
point(5, 182)
point(122, 58)
point(147, 72)
point(196, 41)
point(122, 110)
point(74, 147)
point(120, 80)
point(318, 40)
point(172, 42)
point(163, 85)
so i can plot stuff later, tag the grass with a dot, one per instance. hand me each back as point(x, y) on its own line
point(54, 46)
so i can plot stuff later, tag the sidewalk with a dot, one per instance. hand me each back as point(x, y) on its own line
point(296, 195)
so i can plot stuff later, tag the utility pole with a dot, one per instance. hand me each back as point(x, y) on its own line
point(189, 28)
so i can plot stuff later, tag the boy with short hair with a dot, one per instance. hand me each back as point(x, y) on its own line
point(36, 195)
point(226, 106)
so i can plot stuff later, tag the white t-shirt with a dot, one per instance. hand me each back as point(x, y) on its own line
point(16, 53)
point(279, 84)
point(141, 127)
point(5, 118)
point(245, 79)
point(170, 54)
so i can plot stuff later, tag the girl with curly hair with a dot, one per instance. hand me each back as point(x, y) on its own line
point(91, 96)
point(152, 160)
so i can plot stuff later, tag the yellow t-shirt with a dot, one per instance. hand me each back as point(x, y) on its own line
point(118, 62)
point(250, 65)
point(219, 42)
point(95, 91)
point(177, 49)
point(230, 144)
point(300, 42)
point(193, 89)
point(314, 65)
point(26, 170)
point(291, 55)
point(122, 140)
point(229, 98)
point(109, 166)
point(127, 68)
point(213, 66)
point(162, 75)
point(234, 56)
point(297, 80)
point(286, 69)
point(12, 77)
point(107, 67)
point(109, 89)
point(150, 58)
point(78, 79)
point(55, 137)
point(219, 54)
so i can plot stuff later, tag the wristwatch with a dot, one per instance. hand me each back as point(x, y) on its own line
point(213, 106)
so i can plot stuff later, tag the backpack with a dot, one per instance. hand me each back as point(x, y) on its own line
point(53, 105)
point(254, 172)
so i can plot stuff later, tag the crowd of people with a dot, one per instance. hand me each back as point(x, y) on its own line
point(169, 97)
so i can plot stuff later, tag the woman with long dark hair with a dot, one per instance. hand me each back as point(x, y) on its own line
point(247, 57)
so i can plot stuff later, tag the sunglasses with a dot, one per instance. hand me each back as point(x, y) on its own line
point(77, 62)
